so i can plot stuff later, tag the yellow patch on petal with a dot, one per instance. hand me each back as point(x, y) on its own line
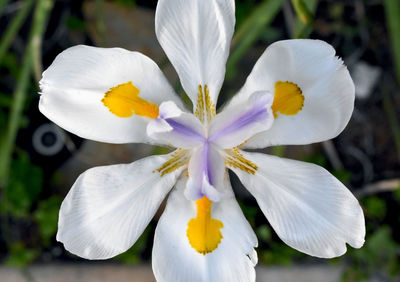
point(203, 231)
point(124, 101)
point(288, 99)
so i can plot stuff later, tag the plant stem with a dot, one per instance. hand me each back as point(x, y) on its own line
point(101, 28)
point(392, 117)
point(42, 10)
point(303, 29)
point(392, 10)
point(14, 27)
point(250, 31)
point(3, 3)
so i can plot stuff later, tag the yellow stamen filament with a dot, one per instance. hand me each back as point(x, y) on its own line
point(205, 108)
point(203, 231)
point(234, 159)
point(288, 99)
point(178, 159)
point(124, 101)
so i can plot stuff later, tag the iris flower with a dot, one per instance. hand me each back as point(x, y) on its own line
point(298, 93)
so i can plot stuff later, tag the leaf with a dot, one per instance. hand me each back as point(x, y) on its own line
point(20, 256)
point(374, 207)
point(23, 188)
point(46, 216)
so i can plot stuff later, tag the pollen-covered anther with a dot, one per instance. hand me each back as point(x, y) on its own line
point(124, 101)
point(204, 232)
point(288, 99)
point(234, 159)
point(205, 108)
point(178, 159)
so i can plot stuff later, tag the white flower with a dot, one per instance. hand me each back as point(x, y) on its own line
point(297, 93)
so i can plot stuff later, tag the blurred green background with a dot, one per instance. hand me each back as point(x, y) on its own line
point(39, 161)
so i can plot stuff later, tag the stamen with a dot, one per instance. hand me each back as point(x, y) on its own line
point(205, 108)
point(233, 158)
point(288, 99)
point(178, 159)
point(203, 231)
point(124, 101)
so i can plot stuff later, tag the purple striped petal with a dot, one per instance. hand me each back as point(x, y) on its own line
point(234, 126)
point(177, 128)
point(206, 173)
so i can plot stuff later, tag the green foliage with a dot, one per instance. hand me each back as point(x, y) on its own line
point(20, 255)
point(75, 23)
point(318, 159)
point(3, 114)
point(128, 3)
point(46, 217)
point(379, 254)
point(303, 11)
point(24, 187)
point(375, 208)
point(249, 211)
point(249, 32)
point(392, 9)
point(5, 102)
point(14, 26)
point(305, 21)
point(10, 62)
point(277, 252)
point(264, 233)
point(7, 142)
point(342, 175)
point(397, 193)
point(243, 9)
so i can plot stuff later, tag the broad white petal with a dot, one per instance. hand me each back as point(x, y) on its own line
point(175, 260)
point(176, 128)
point(74, 85)
point(235, 125)
point(108, 207)
point(309, 209)
point(196, 37)
point(326, 85)
point(206, 174)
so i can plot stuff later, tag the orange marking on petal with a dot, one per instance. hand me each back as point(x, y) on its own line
point(204, 232)
point(124, 101)
point(288, 99)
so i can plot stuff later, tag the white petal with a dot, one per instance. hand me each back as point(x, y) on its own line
point(108, 207)
point(175, 260)
point(74, 85)
point(196, 37)
point(326, 84)
point(176, 128)
point(235, 125)
point(308, 208)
